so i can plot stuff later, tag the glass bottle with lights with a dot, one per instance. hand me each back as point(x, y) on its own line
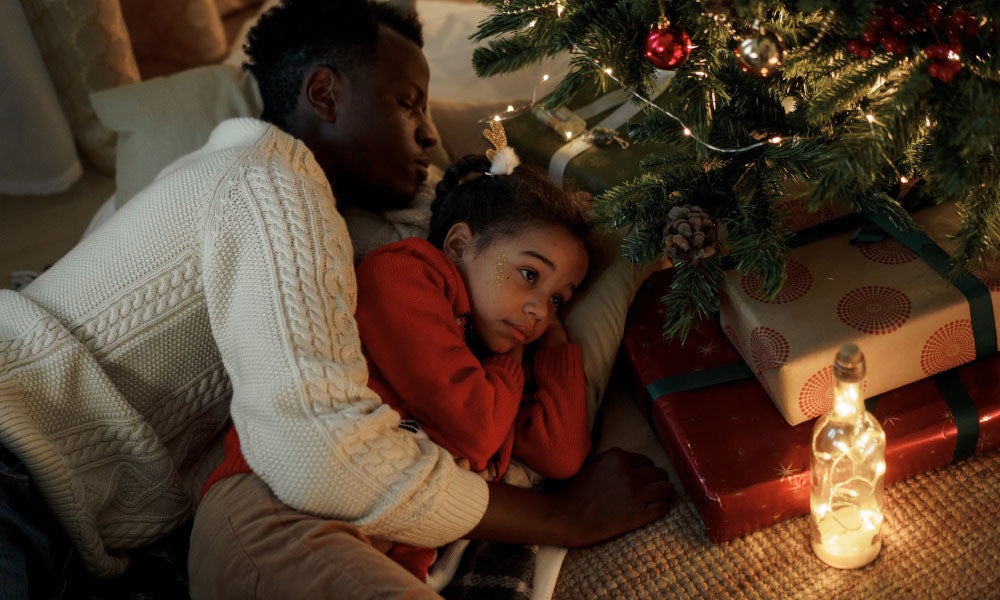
point(847, 471)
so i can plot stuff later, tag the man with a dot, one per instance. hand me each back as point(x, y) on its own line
point(227, 288)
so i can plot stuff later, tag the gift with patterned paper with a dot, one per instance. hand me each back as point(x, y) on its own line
point(740, 462)
point(886, 290)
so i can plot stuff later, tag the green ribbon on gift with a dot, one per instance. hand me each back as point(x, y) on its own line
point(976, 293)
point(960, 405)
point(965, 413)
point(692, 381)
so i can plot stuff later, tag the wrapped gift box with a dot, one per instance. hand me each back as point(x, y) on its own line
point(908, 320)
point(539, 138)
point(590, 167)
point(741, 464)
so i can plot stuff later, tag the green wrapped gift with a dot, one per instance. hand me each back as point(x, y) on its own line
point(583, 146)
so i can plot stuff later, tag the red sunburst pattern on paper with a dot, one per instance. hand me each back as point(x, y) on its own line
point(800, 218)
point(874, 309)
point(990, 275)
point(731, 334)
point(951, 345)
point(799, 282)
point(816, 396)
point(889, 251)
point(768, 349)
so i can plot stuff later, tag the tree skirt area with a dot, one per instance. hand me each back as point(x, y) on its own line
point(941, 539)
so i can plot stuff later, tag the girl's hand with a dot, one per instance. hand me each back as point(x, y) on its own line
point(555, 335)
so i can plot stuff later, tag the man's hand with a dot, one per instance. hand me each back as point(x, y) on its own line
point(615, 492)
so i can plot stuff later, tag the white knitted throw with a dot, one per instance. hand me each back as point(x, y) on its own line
point(226, 284)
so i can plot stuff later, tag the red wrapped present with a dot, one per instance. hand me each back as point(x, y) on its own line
point(740, 462)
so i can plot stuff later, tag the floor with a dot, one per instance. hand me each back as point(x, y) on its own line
point(36, 231)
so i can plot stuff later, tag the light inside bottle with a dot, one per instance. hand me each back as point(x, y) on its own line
point(847, 474)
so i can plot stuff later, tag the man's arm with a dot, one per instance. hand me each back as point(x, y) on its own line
point(279, 285)
point(615, 492)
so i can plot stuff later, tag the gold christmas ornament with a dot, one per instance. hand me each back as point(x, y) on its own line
point(762, 52)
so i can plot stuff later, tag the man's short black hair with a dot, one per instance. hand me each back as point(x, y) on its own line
point(299, 34)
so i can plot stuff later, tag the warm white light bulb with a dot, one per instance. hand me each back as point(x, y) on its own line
point(608, 70)
point(776, 140)
point(545, 77)
point(496, 117)
point(687, 131)
point(903, 179)
point(510, 108)
point(870, 118)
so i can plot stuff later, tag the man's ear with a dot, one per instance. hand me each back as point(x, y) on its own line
point(458, 241)
point(323, 88)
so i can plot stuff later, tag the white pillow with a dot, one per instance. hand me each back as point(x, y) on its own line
point(447, 27)
point(164, 118)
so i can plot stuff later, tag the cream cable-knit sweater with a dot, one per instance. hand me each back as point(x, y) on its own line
point(230, 277)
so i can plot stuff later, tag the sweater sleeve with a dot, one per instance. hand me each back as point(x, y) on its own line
point(551, 435)
point(281, 293)
point(410, 331)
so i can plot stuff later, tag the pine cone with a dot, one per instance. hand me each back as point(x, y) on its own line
point(690, 235)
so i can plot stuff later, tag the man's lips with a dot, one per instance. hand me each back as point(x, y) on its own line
point(422, 168)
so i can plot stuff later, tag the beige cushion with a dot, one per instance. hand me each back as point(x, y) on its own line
point(164, 118)
point(85, 46)
point(178, 33)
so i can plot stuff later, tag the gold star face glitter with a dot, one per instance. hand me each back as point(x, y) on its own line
point(498, 267)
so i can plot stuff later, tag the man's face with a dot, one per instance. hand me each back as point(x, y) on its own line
point(382, 126)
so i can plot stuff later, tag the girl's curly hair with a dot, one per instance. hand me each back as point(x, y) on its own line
point(501, 205)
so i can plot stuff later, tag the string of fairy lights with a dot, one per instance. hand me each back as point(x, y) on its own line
point(512, 111)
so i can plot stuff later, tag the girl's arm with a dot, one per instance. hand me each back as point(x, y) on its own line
point(406, 318)
point(551, 433)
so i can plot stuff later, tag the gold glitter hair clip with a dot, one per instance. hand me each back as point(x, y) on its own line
point(503, 160)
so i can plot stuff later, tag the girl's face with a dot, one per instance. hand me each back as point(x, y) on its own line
point(517, 283)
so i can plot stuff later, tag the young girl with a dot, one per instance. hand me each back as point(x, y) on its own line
point(462, 332)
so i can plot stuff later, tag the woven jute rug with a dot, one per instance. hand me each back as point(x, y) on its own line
point(941, 540)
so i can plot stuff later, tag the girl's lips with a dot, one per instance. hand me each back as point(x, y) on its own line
point(518, 334)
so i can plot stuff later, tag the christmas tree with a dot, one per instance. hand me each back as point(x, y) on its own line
point(854, 101)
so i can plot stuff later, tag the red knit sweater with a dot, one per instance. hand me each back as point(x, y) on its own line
point(412, 309)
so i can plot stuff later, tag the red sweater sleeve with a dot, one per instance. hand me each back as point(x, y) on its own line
point(552, 436)
point(409, 294)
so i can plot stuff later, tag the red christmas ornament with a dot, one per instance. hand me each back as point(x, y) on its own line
point(667, 46)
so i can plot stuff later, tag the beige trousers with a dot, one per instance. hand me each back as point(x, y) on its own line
point(247, 544)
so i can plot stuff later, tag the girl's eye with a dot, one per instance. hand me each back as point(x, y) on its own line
point(529, 275)
point(405, 104)
point(557, 301)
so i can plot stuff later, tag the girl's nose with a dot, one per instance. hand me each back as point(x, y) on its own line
point(537, 310)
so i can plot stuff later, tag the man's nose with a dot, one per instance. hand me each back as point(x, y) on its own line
point(426, 136)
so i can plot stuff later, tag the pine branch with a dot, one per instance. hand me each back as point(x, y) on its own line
point(694, 294)
point(757, 245)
